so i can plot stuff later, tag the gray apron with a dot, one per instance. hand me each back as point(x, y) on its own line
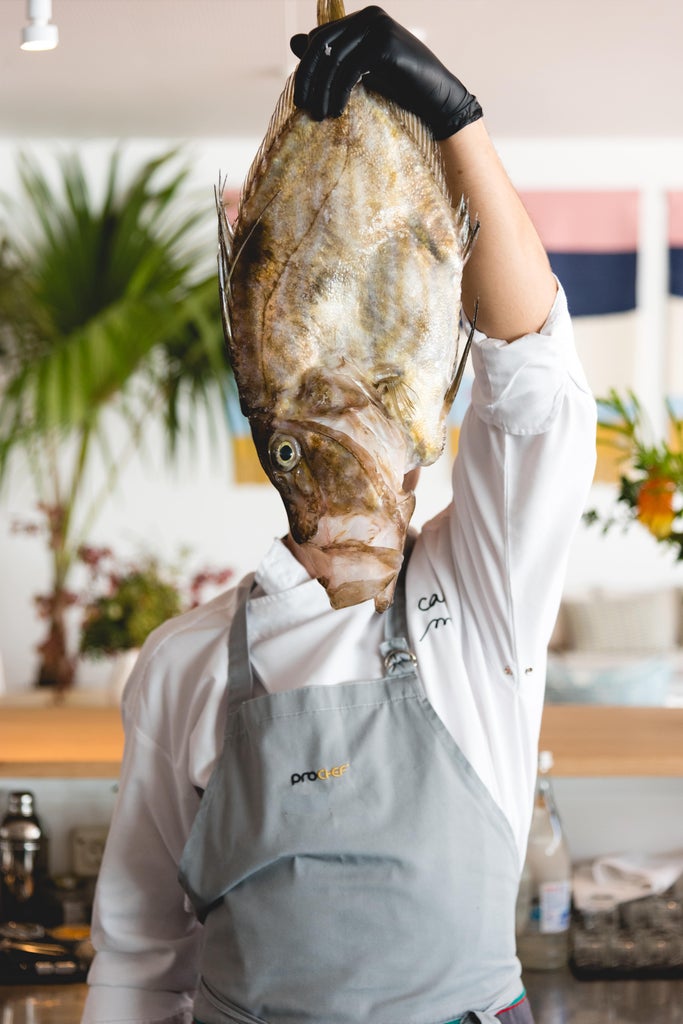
point(347, 862)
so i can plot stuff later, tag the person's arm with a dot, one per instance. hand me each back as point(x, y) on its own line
point(147, 941)
point(508, 272)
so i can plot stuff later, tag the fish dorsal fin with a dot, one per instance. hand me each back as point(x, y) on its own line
point(328, 10)
point(281, 115)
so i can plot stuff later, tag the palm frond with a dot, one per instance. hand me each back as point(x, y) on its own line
point(92, 294)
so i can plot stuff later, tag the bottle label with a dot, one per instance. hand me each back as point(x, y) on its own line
point(554, 906)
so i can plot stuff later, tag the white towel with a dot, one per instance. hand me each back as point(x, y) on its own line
point(625, 877)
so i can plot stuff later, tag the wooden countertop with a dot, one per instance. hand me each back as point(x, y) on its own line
point(73, 741)
point(554, 996)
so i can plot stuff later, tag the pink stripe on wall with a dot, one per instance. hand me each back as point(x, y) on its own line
point(676, 220)
point(590, 222)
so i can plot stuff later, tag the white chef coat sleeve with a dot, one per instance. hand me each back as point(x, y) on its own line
point(145, 935)
point(525, 464)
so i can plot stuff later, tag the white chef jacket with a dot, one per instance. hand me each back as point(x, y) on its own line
point(483, 587)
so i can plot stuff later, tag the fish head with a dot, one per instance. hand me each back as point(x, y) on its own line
point(339, 466)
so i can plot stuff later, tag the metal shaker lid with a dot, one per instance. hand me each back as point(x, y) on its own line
point(21, 802)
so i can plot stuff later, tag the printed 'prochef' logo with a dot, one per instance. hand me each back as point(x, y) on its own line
point(322, 775)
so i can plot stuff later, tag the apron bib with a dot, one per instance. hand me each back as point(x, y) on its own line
point(347, 862)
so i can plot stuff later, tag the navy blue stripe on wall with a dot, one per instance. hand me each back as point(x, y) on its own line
point(597, 282)
point(676, 271)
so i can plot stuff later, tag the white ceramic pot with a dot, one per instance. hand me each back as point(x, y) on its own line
point(122, 666)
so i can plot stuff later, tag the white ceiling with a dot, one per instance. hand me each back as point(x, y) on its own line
point(197, 68)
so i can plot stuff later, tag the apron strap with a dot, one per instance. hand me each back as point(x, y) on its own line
point(240, 679)
point(395, 649)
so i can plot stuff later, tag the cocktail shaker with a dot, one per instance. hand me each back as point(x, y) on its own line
point(23, 861)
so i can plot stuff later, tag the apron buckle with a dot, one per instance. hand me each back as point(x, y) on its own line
point(396, 654)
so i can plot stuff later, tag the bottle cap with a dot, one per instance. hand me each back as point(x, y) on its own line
point(545, 761)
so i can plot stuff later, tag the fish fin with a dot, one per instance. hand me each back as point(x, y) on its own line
point(330, 10)
point(227, 256)
point(396, 397)
point(281, 115)
point(225, 246)
point(467, 228)
point(460, 369)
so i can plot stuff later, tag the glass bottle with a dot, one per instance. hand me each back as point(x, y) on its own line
point(544, 901)
point(23, 861)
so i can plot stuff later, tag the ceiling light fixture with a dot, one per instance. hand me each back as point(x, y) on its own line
point(39, 34)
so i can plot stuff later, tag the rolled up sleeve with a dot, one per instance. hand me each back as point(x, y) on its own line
point(519, 387)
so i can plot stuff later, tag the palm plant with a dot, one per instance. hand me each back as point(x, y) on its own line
point(107, 310)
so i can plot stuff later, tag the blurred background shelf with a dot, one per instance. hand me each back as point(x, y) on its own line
point(613, 741)
point(69, 741)
point(60, 741)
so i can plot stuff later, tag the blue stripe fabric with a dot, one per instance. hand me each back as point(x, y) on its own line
point(597, 283)
point(676, 271)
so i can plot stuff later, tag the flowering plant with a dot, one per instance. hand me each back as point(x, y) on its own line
point(651, 486)
point(118, 605)
point(126, 601)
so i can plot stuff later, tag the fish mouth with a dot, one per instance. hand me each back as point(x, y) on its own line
point(354, 571)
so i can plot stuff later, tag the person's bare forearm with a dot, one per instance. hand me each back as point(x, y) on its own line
point(509, 272)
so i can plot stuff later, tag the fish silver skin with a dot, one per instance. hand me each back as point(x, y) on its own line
point(340, 287)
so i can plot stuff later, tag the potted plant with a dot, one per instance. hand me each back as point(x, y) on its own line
point(124, 601)
point(106, 307)
point(651, 482)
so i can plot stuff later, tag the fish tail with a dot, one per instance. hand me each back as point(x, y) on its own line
point(330, 10)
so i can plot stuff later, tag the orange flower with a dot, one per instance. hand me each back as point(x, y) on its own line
point(655, 506)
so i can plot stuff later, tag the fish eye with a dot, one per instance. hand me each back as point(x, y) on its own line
point(284, 451)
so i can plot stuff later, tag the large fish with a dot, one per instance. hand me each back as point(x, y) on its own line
point(340, 287)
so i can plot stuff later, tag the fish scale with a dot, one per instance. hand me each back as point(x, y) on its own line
point(340, 287)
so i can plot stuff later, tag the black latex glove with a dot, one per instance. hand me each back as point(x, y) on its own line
point(397, 65)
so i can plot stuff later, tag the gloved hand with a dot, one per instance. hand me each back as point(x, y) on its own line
point(397, 65)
